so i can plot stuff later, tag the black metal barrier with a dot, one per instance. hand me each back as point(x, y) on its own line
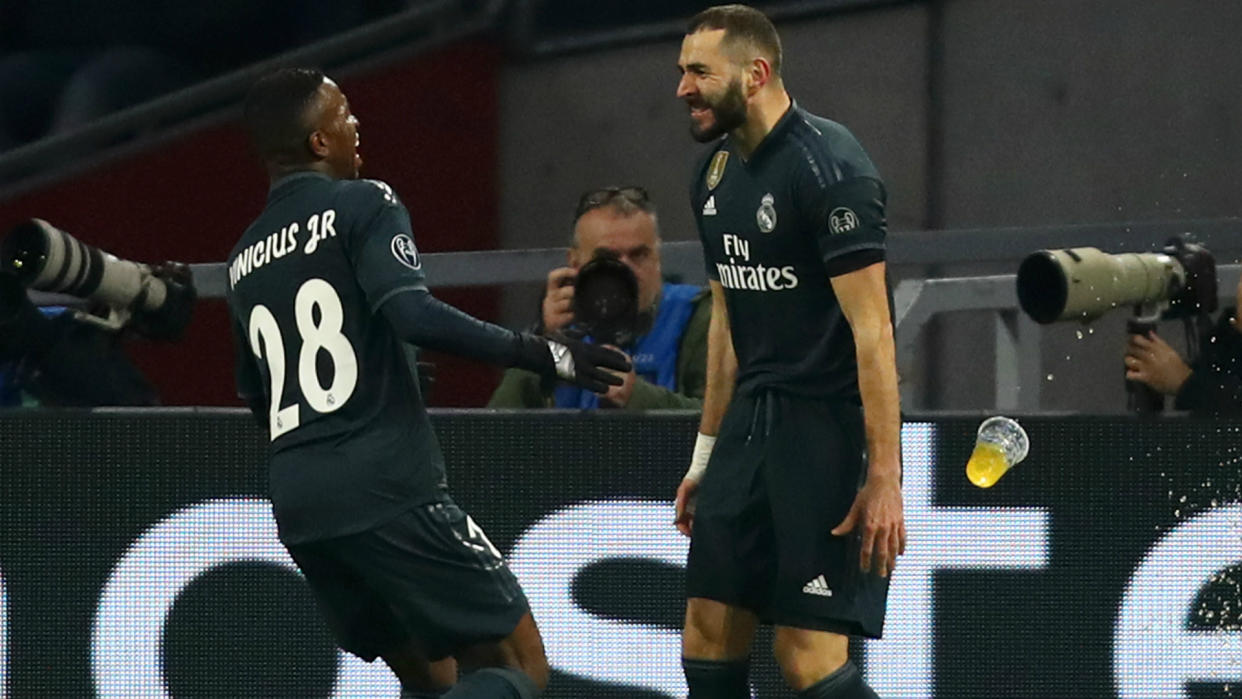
point(138, 558)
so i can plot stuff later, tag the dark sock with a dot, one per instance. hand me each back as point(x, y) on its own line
point(494, 683)
point(845, 683)
point(717, 679)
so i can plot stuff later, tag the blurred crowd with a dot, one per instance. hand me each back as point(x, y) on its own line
point(64, 63)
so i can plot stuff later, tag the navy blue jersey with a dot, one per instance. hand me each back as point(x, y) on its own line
point(808, 205)
point(351, 444)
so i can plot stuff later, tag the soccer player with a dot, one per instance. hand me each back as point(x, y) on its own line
point(323, 288)
point(793, 497)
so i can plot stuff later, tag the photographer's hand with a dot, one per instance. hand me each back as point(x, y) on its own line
point(619, 396)
point(558, 299)
point(1150, 360)
point(178, 272)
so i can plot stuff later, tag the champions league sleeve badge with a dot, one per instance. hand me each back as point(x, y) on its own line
point(842, 220)
point(403, 249)
point(766, 215)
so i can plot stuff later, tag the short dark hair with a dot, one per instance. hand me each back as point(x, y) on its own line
point(742, 24)
point(276, 113)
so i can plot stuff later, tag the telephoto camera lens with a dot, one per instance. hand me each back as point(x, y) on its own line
point(48, 259)
point(606, 300)
point(45, 258)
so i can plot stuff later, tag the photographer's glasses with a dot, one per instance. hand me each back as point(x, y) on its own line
point(603, 197)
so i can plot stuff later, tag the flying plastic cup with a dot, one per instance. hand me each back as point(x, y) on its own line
point(1000, 445)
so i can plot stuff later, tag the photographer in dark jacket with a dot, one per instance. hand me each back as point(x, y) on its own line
point(669, 352)
point(1211, 383)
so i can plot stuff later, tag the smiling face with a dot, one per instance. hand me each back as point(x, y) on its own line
point(711, 85)
point(335, 138)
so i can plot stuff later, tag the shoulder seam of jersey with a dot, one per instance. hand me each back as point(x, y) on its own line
point(818, 154)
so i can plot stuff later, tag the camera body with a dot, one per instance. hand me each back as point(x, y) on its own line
point(1198, 294)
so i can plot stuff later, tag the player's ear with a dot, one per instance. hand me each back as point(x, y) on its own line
point(758, 74)
point(317, 144)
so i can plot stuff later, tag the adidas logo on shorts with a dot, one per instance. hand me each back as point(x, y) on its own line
point(818, 586)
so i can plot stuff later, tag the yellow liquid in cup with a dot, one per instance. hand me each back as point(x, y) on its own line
point(986, 466)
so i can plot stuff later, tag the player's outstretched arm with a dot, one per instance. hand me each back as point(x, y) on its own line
point(721, 375)
point(877, 508)
point(380, 245)
point(421, 319)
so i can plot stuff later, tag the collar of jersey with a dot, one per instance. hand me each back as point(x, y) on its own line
point(781, 125)
point(281, 186)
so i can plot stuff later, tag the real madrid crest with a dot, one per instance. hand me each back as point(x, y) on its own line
point(716, 171)
point(766, 215)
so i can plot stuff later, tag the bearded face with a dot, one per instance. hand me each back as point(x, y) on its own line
point(713, 115)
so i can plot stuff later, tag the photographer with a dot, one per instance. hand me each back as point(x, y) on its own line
point(669, 345)
point(48, 357)
point(1211, 383)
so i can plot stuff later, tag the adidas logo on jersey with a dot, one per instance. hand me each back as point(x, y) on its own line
point(818, 586)
point(709, 209)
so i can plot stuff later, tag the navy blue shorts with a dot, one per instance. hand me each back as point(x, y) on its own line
point(783, 474)
point(429, 576)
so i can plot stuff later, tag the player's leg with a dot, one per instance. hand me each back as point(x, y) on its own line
point(820, 596)
point(514, 666)
point(715, 649)
point(421, 678)
point(363, 623)
point(729, 564)
point(455, 595)
point(816, 664)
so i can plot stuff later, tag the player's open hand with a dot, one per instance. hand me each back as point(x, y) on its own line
point(619, 396)
point(877, 511)
point(685, 505)
point(593, 367)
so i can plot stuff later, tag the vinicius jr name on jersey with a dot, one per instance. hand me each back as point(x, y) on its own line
point(283, 242)
point(752, 277)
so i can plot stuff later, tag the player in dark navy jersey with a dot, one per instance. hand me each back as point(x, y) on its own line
point(324, 287)
point(793, 499)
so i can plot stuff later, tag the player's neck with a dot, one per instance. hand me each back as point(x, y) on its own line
point(277, 172)
point(767, 108)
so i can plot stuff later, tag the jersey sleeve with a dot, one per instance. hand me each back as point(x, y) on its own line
point(848, 221)
point(843, 200)
point(381, 243)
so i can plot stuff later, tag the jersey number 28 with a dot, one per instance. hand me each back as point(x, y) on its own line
point(265, 339)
